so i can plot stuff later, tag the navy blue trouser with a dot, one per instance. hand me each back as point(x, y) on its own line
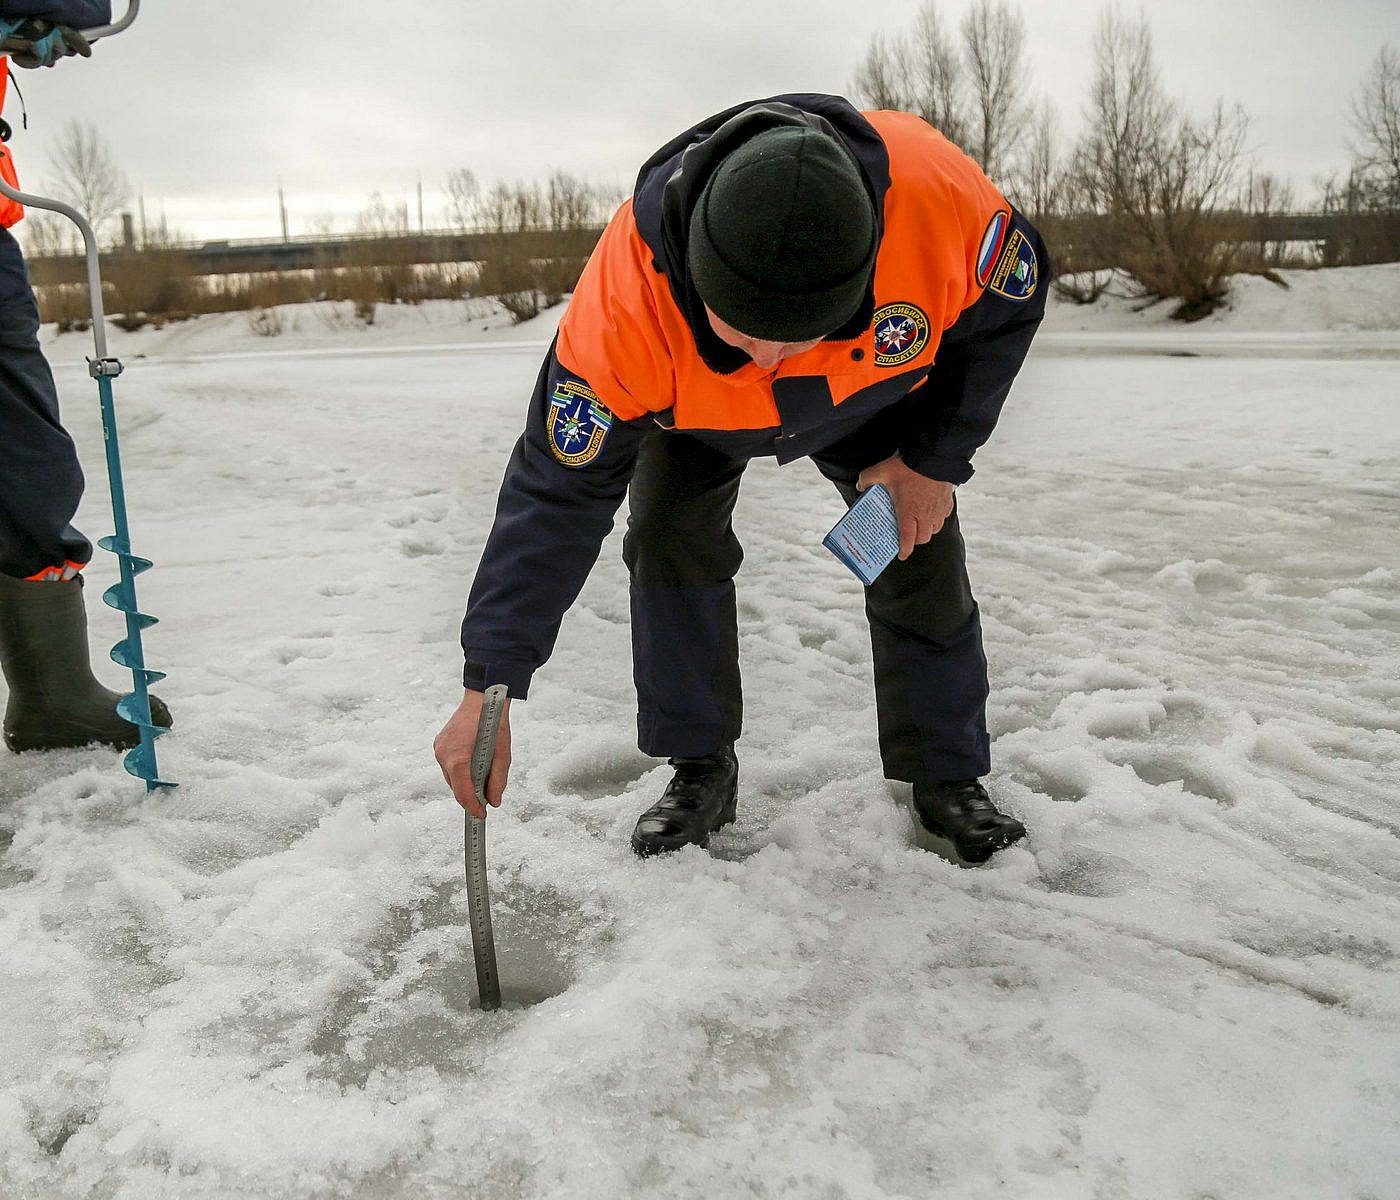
point(40, 479)
point(680, 547)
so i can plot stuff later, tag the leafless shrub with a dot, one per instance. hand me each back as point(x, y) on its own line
point(507, 269)
point(265, 322)
point(379, 268)
point(151, 287)
point(1083, 287)
point(1148, 180)
point(535, 239)
point(67, 305)
point(154, 284)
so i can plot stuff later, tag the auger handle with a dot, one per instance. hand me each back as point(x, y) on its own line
point(488, 980)
point(105, 31)
point(29, 200)
point(94, 275)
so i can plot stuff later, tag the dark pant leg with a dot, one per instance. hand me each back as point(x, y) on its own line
point(683, 555)
point(40, 479)
point(930, 671)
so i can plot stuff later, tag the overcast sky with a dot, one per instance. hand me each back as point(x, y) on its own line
point(208, 103)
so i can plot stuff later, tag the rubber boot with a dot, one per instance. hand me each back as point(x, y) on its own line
point(701, 797)
point(961, 812)
point(55, 700)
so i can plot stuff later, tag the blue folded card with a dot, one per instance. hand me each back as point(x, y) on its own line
point(866, 539)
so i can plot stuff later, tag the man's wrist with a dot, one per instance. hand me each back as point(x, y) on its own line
point(943, 468)
point(480, 672)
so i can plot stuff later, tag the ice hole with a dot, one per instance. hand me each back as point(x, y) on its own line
point(531, 970)
point(538, 934)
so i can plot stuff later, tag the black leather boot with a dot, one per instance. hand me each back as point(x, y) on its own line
point(961, 812)
point(55, 700)
point(700, 798)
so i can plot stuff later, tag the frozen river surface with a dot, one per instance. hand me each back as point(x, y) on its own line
point(1182, 986)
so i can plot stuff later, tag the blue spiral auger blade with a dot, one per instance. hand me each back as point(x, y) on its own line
point(135, 706)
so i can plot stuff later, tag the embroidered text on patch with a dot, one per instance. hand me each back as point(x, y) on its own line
point(1017, 271)
point(578, 423)
point(901, 331)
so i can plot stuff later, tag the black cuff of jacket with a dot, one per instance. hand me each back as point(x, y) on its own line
point(478, 676)
point(945, 468)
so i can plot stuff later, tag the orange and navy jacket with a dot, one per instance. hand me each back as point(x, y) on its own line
point(956, 296)
point(10, 211)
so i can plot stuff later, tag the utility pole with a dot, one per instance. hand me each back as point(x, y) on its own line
point(282, 209)
point(420, 202)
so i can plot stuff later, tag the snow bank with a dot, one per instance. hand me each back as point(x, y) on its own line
point(1329, 300)
point(1361, 301)
point(445, 324)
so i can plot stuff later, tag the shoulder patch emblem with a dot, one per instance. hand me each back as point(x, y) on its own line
point(901, 332)
point(578, 423)
point(1016, 271)
point(991, 245)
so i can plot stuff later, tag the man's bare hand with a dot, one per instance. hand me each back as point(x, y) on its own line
point(453, 748)
point(921, 504)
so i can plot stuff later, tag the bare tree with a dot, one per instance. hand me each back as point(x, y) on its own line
point(882, 78)
point(462, 192)
point(1265, 196)
point(1153, 179)
point(1038, 183)
point(937, 73)
point(994, 50)
point(916, 72)
point(86, 174)
point(1375, 119)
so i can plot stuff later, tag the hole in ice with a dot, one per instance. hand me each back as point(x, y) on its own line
point(537, 934)
point(421, 1010)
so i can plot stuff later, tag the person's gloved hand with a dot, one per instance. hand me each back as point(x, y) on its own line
point(35, 43)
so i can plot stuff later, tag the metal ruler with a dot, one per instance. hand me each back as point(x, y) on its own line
point(488, 981)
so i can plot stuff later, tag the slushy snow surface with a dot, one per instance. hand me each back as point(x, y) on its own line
point(1182, 986)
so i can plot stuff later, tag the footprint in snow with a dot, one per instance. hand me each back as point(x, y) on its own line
point(420, 547)
point(595, 778)
point(1080, 871)
point(1165, 766)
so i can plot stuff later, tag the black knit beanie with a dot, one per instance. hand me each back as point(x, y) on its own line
point(782, 239)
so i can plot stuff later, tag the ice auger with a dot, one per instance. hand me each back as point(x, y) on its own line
point(136, 705)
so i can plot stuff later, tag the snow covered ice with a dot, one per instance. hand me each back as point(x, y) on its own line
point(1183, 985)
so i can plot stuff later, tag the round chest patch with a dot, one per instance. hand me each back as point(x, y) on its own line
point(901, 331)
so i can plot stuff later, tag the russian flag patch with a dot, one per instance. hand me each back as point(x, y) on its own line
point(991, 246)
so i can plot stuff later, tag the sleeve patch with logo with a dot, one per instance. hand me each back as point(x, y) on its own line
point(578, 422)
point(1016, 271)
